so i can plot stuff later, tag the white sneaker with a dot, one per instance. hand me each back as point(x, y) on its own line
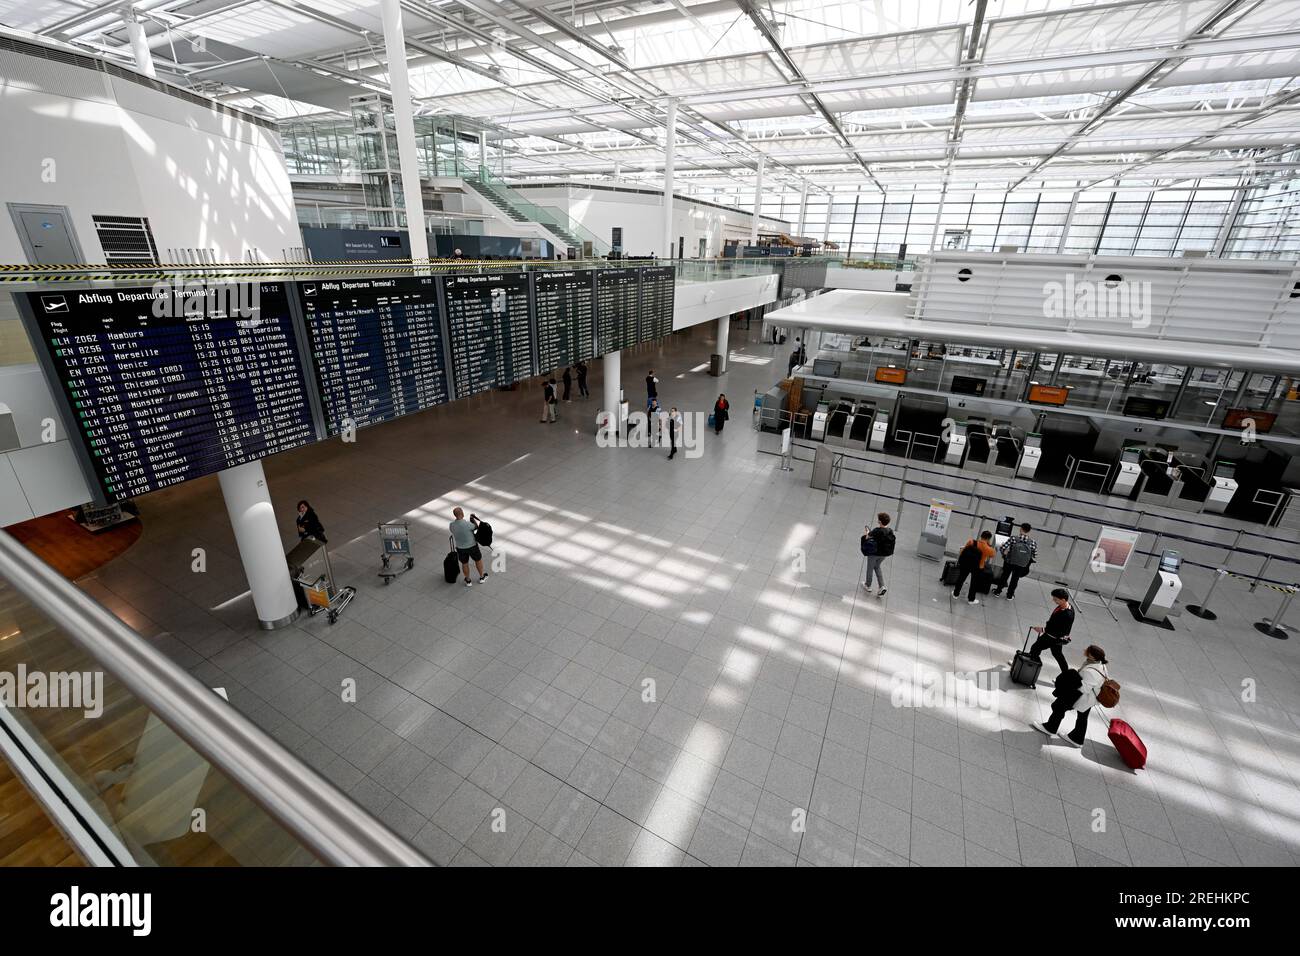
point(882, 591)
point(1038, 726)
point(482, 579)
point(1064, 736)
point(973, 601)
point(866, 587)
point(469, 583)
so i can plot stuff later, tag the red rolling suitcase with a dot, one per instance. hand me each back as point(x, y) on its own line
point(1130, 746)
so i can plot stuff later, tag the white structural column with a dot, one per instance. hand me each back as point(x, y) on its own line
point(803, 210)
point(248, 502)
point(482, 148)
point(1069, 221)
point(400, 86)
point(139, 43)
point(612, 385)
point(724, 335)
point(758, 200)
point(670, 159)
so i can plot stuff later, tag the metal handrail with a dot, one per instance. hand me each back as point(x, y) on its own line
point(319, 815)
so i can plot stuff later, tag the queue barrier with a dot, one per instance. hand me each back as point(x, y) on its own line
point(1116, 508)
point(1257, 579)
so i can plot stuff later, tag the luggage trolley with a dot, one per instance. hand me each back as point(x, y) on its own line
point(396, 538)
point(309, 566)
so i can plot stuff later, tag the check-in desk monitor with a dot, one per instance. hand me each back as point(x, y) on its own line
point(1130, 470)
point(1164, 588)
point(1031, 454)
point(1223, 486)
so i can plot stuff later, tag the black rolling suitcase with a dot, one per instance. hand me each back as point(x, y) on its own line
point(949, 573)
point(450, 566)
point(1024, 669)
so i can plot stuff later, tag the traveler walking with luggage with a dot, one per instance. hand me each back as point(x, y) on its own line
point(1055, 634)
point(1077, 691)
point(467, 549)
point(720, 415)
point(581, 369)
point(1018, 554)
point(482, 531)
point(674, 428)
point(877, 544)
point(567, 379)
point(972, 558)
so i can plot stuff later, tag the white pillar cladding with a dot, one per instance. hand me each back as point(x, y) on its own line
point(758, 200)
point(482, 147)
point(803, 210)
point(248, 502)
point(670, 159)
point(612, 385)
point(139, 43)
point(404, 118)
point(724, 336)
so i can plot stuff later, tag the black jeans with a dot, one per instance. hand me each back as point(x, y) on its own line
point(1012, 574)
point(962, 574)
point(1059, 709)
point(1054, 644)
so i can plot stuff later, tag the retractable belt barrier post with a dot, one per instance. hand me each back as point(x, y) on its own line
point(1202, 610)
point(1272, 626)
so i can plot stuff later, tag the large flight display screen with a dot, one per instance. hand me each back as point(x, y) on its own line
point(175, 381)
point(566, 329)
point(490, 323)
point(377, 346)
point(657, 286)
point(618, 308)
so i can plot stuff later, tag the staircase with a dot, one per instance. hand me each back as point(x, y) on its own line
point(518, 209)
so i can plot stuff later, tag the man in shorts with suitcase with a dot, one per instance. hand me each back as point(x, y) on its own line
point(467, 549)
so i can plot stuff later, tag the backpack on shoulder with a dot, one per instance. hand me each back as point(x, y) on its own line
point(1019, 554)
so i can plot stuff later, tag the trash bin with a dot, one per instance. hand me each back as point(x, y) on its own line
point(715, 365)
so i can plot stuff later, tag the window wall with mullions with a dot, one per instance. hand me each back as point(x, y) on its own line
point(867, 224)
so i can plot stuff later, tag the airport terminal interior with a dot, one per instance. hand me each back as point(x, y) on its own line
point(650, 433)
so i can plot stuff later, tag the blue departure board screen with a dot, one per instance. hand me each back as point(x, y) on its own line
point(489, 319)
point(170, 383)
point(618, 308)
point(565, 303)
point(658, 284)
point(377, 347)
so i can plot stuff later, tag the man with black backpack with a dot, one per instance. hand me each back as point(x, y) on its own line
point(1018, 554)
point(877, 544)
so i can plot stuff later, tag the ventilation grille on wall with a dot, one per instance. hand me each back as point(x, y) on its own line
point(126, 239)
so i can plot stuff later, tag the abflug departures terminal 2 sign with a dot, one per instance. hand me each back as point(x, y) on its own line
point(173, 382)
point(169, 384)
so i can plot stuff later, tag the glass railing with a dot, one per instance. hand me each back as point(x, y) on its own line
point(140, 763)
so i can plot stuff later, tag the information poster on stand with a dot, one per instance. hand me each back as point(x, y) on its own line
point(1114, 549)
point(938, 518)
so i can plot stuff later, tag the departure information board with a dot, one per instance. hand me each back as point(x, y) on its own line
point(657, 286)
point(489, 320)
point(566, 328)
point(171, 383)
point(377, 346)
point(618, 308)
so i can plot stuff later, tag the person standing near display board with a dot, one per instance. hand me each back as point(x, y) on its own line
point(581, 369)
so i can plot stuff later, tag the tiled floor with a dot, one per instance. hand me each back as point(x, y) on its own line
point(676, 664)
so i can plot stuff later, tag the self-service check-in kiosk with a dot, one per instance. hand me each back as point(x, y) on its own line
point(1130, 470)
point(1002, 531)
point(956, 445)
point(1222, 487)
point(1030, 454)
point(879, 431)
point(1164, 588)
point(822, 412)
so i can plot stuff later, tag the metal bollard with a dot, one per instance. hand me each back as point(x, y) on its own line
point(1065, 569)
point(1259, 574)
point(1155, 548)
point(1233, 547)
point(1202, 610)
point(1272, 626)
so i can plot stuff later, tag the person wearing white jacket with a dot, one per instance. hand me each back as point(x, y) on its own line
point(1079, 697)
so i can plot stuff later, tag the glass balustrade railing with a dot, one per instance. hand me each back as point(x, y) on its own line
point(138, 762)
